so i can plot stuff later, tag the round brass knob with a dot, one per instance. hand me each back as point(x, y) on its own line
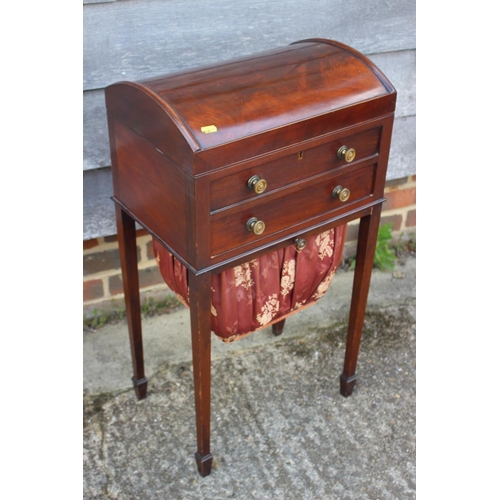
point(256, 226)
point(347, 154)
point(341, 193)
point(300, 244)
point(257, 184)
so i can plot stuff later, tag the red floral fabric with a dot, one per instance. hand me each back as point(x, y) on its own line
point(264, 290)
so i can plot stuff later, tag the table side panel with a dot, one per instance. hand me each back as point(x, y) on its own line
point(384, 150)
point(153, 188)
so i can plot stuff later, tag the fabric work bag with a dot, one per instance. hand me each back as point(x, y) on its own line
point(265, 290)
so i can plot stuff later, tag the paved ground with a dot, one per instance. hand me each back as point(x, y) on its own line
point(281, 429)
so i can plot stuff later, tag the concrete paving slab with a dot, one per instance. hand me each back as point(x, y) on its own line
point(167, 338)
point(280, 427)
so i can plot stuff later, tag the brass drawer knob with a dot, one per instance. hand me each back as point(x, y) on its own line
point(257, 184)
point(347, 154)
point(341, 193)
point(300, 244)
point(256, 226)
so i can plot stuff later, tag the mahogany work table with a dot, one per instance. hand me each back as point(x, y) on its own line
point(225, 163)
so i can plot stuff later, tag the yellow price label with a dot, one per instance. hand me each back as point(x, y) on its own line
point(209, 129)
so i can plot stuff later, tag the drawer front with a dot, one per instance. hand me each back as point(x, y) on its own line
point(233, 188)
point(291, 207)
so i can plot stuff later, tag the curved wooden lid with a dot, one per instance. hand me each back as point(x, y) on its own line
point(268, 90)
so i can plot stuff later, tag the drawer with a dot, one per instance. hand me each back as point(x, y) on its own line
point(291, 207)
point(294, 167)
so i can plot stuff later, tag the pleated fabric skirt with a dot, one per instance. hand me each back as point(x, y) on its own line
point(265, 290)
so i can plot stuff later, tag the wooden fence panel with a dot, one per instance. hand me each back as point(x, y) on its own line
point(141, 38)
point(135, 39)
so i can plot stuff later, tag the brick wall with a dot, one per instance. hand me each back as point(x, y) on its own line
point(102, 284)
point(400, 209)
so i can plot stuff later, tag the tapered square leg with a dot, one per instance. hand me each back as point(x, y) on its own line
point(200, 299)
point(367, 241)
point(347, 385)
point(140, 387)
point(204, 464)
point(128, 256)
point(278, 327)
